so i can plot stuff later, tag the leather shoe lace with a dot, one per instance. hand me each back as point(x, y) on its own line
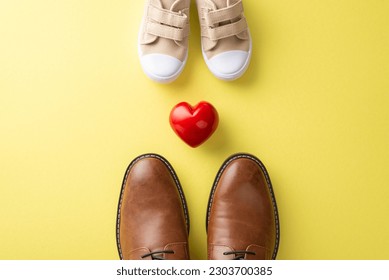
point(239, 255)
point(154, 257)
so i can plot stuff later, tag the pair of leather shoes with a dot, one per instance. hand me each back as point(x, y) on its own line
point(153, 222)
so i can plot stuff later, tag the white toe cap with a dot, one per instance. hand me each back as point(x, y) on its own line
point(160, 67)
point(229, 65)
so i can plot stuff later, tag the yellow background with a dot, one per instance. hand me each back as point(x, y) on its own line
point(76, 108)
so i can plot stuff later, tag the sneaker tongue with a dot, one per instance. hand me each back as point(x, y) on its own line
point(177, 5)
point(220, 3)
point(223, 3)
point(232, 2)
point(173, 5)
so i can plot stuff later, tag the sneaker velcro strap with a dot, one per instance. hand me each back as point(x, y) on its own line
point(167, 17)
point(225, 31)
point(169, 32)
point(224, 14)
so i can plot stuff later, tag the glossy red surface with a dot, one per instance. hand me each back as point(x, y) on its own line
point(194, 125)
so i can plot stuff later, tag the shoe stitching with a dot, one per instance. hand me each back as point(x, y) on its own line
point(175, 178)
point(275, 211)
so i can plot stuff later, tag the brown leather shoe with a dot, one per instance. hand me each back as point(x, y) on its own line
point(152, 218)
point(242, 217)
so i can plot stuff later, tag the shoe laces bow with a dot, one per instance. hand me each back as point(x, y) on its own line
point(239, 255)
point(155, 255)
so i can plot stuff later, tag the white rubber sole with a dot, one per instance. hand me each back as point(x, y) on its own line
point(230, 76)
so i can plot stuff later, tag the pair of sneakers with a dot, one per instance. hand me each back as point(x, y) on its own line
point(163, 38)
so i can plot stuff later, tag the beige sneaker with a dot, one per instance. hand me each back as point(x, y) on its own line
point(225, 37)
point(163, 39)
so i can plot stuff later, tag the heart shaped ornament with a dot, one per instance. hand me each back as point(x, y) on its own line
point(194, 125)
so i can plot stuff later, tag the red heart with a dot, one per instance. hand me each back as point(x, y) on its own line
point(194, 125)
